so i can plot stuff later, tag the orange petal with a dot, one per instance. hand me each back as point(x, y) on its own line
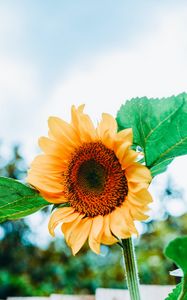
point(96, 233)
point(107, 238)
point(57, 217)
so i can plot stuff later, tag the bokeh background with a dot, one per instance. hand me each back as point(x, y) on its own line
point(57, 53)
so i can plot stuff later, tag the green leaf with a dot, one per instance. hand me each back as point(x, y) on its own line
point(18, 200)
point(160, 167)
point(159, 127)
point(176, 250)
point(175, 292)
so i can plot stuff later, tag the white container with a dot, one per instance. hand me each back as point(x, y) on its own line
point(153, 292)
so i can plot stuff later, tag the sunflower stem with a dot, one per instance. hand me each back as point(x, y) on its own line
point(131, 269)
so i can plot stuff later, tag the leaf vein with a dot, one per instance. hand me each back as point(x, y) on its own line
point(160, 123)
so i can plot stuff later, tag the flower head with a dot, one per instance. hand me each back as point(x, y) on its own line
point(94, 171)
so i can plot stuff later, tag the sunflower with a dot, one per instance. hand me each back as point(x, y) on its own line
point(93, 177)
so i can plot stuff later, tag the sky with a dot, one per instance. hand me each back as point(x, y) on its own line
point(57, 53)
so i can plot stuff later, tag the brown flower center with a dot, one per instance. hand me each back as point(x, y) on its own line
point(96, 183)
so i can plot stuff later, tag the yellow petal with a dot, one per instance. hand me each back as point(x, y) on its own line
point(118, 224)
point(140, 198)
point(107, 238)
point(121, 147)
point(87, 125)
point(54, 198)
point(96, 233)
point(125, 155)
point(39, 173)
point(79, 235)
point(108, 140)
point(83, 125)
point(129, 158)
point(75, 114)
point(48, 162)
point(108, 123)
point(135, 187)
point(125, 135)
point(47, 165)
point(63, 132)
point(129, 219)
point(138, 213)
point(71, 217)
point(67, 228)
point(58, 216)
point(52, 147)
point(137, 173)
point(45, 183)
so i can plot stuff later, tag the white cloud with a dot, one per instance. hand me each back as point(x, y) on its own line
point(19, 95)
point(17, 80)
point(154, 66)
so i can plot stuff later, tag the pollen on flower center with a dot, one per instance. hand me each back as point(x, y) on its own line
point(95, 181)
point(92, 176)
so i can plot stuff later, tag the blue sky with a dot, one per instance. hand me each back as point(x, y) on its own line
point(56, 34)
point(57, 53)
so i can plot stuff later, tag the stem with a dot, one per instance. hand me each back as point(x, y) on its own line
point(131, 269)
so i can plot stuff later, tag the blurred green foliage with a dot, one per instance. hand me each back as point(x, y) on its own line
point(26, 270)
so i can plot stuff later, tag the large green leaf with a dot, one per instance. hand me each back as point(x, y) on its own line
point(159, 128)
point(177, 250)
point(175, 292)
point(18, 200)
